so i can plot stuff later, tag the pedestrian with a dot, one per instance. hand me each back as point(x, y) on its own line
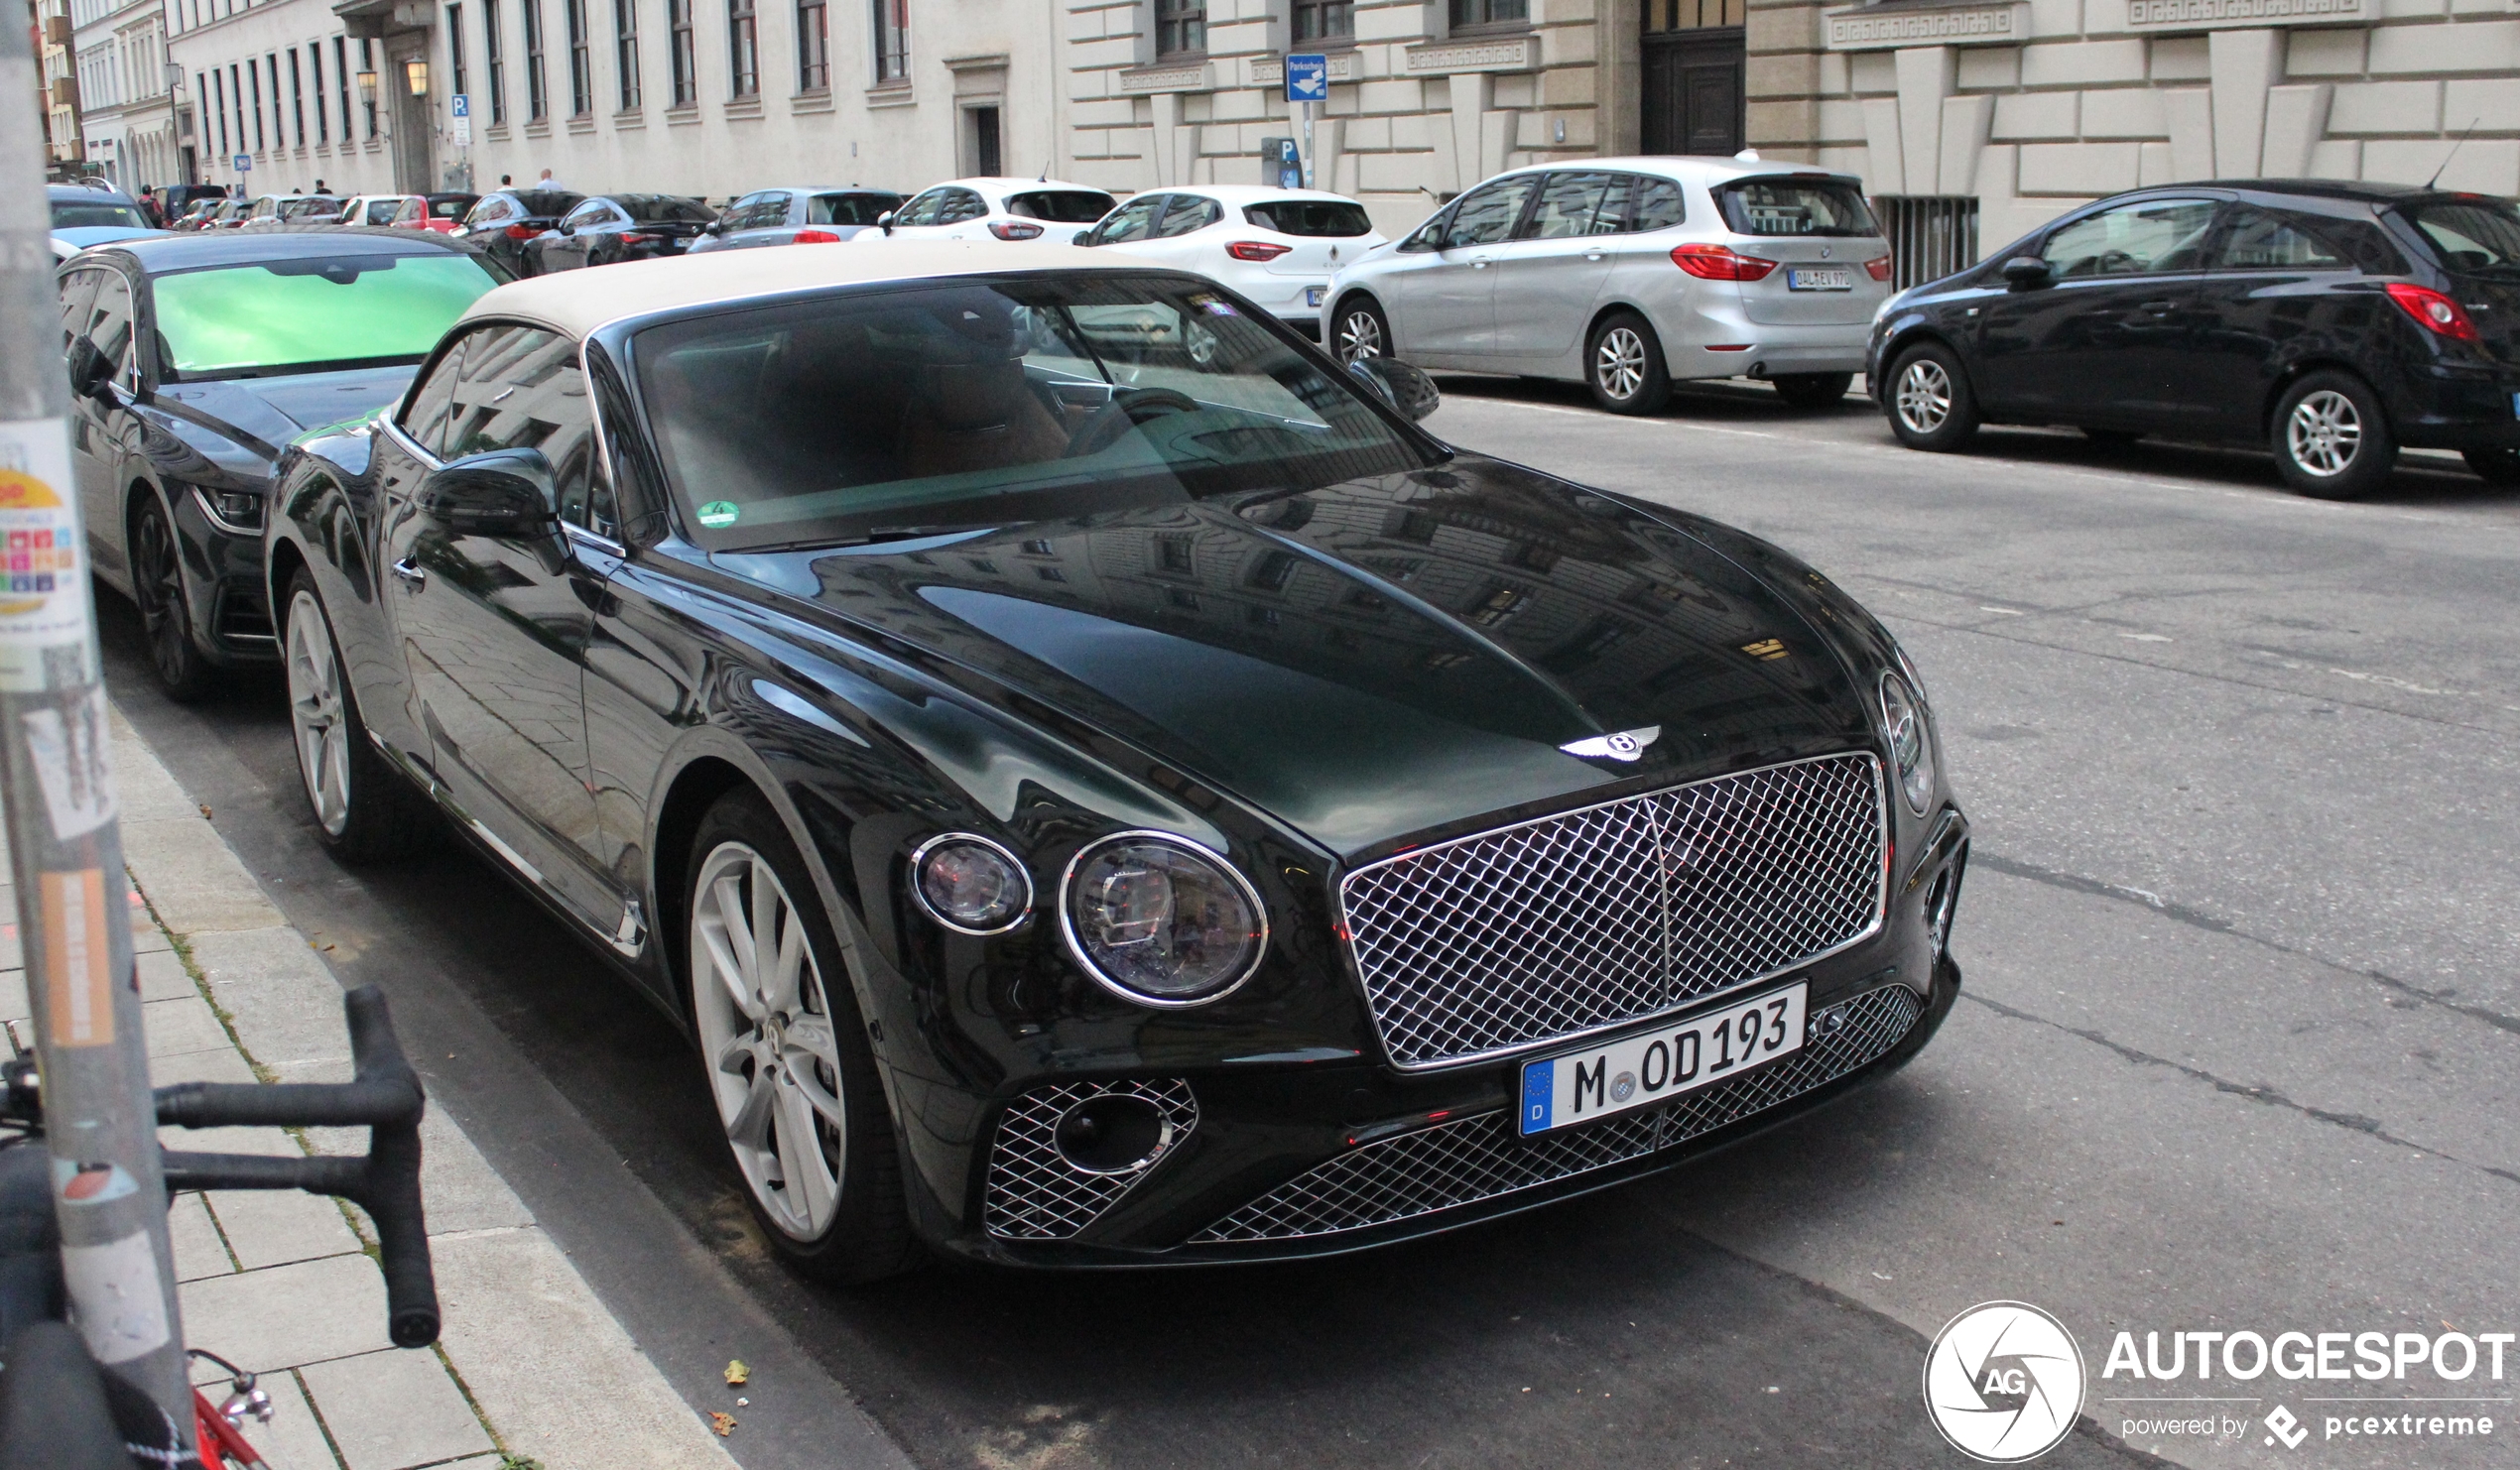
point(548, 181)
point(505, 181)
point(319, 188)
point(149, 209)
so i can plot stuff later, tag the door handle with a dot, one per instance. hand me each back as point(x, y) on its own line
point(1593, 255)
point(410, 571)
point(2158, 309)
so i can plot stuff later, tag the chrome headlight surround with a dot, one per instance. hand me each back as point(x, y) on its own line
point(982, 925)
point(1238, 887)
point(1903, 727)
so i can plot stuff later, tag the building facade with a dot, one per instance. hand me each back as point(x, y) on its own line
point(126, 105)
point(274, 99)
point(56, 74)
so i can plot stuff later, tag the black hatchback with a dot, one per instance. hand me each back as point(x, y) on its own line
point(2332, 321)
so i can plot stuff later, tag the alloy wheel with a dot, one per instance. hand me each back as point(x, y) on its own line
point(315, 712)
point(766, 1029)
point(2323, 433)
point(1200, 343)
point(1360, 335)
point(1618, 362)
point(157, 579)
point(1924, 397)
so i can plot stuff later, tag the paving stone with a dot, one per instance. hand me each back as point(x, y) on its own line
point(292, 1441)
point(180, 1026)
point(162, 977)
point(283, 1316)
point(226, 1064)
point(394, 1410)
point(273, 1227)
point(14, 1005)
point(285, 1005)
point(191, 878)
point(198, 1250)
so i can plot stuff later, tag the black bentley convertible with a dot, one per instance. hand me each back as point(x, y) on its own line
point(1099, 784)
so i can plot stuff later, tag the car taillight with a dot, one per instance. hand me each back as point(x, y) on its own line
point(1878, 269)
point(635, 238)
point(1719, 262)
point(521, 232)
point(1014, 229)
point(816, 237)
point(1256, 250)
point(2432, 312)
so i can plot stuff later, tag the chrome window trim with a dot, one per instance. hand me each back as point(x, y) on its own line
point(221, 524)
point(1076, 949)
point(919, 894)
point(1880, 916)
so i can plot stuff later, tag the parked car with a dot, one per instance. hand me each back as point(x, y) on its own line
point(230, 214)
point(796, 215)
point(196, 215)
point(2332, 323)
point(1042, 209)
point(506, 218)
point(1018, 722)
point(1628, 275)
point(84, 215)
point(193, 361)
point(442, 212)
point(178, 199)
point(372, 209)
point(271, 211)
point(1278, 246)
point(608, 229)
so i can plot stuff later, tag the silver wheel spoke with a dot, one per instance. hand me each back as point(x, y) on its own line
point(734, 921)
point(750, 1126)
point(807, 1176)
point(712, 934)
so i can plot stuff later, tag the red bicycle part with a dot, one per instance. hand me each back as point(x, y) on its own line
point(222, 1447)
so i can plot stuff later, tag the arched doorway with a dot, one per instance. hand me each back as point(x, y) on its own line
point(1692, 93)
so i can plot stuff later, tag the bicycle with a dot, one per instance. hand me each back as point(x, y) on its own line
point(58, 1408)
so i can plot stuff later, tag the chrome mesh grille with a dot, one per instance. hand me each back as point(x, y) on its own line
point(1033, 1192)
point(1476, 1158)
point(1574, 923)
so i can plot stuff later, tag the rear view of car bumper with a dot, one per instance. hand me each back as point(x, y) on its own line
point(2455, 407)
point(1706, 336)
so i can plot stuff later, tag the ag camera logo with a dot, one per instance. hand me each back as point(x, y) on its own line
point(2003, 1382)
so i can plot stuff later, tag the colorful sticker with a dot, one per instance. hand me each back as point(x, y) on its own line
point(1222, 308)
point(718, 515)
point(44, 617)
point(78, 959)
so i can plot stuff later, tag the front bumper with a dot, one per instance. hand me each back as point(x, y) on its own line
point(223, 586)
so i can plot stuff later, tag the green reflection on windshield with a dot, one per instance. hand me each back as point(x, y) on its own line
point(340, 309)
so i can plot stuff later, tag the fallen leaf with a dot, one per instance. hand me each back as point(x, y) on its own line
point(737, 1372)
point(723, 1423)
point(206, 813)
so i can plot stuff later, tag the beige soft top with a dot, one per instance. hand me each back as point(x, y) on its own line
point(578, 302)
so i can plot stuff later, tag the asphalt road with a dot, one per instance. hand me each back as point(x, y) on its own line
point(2239, 1047)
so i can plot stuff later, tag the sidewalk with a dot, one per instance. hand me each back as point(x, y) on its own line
point(531, 1369)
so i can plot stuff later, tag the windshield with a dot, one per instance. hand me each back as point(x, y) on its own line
point(1316, 217)
point(302, 315)
point(888, 412)
point(2479, 235)
point(848, 208)
point(73, 214)
point(1796, 206)
point(1061, 206)
point(316, 208)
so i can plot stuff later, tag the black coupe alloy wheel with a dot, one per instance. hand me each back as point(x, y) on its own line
point(1624, 366)
point(157, 583)
point(2331, 438)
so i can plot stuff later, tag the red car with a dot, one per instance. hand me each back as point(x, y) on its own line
point(441, 213)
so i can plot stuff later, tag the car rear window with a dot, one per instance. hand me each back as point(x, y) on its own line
point(1316, 218)
point(1794, 206)
point(69, 214)
point(848, 208)
point(2476, 236)
point(300, 315)
point(1062, 205)
point(318, 208)
point(663, 210)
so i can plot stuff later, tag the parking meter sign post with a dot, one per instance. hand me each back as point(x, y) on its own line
point(65, 846)
point(461, 134)
point(1308, 80)
point(1283, 165)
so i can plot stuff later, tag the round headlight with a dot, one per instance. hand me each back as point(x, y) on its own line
point(1903, 723)
point(1160, 921)
point(971, 885)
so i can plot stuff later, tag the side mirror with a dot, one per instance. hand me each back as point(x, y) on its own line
point(1398, 384)
point(884, 221)
point(503, 493)
point(90, 369)
point(2028, 272)
point(713, 228)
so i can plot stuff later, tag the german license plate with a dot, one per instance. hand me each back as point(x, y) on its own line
point(1646, 1067)
point(1313, 295)
point(1805, 280)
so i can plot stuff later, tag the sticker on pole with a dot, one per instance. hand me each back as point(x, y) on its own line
point(43, 638)
point(67, 745)
point(115, 1290)
point(78, 960)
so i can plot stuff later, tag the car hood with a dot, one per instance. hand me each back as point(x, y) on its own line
point(267, 413)
point(1377, 661)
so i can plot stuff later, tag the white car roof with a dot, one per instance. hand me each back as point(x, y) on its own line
point(1246, 194)
point(819, 189)
point(996, 190)
point(578, 302)
point(1687, 168)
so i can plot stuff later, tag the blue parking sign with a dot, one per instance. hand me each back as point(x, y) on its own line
point(1308, 78)
point(463, 106)
point(244, 163)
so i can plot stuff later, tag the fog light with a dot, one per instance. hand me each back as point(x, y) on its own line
point(971, 885)
point(1113, 1133)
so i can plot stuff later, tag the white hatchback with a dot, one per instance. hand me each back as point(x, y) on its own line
point(1628, 275)
point(1279, 247)
point(995, 209)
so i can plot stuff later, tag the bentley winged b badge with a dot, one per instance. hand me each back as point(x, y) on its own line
point(1620, 745)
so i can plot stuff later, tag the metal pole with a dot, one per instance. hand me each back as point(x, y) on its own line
point(65, 847)
point(1307, 145)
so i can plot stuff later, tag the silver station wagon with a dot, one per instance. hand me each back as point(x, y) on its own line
point(1628, 275)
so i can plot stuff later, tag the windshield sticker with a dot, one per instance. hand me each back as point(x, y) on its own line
point(718, 515)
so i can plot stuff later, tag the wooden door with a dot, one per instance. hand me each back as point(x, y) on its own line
point(1693, 91)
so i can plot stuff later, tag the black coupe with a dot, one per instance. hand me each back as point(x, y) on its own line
point(1100, 785)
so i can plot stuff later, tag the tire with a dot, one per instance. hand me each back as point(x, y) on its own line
point(2114, 438)
point(787, 1058)
point(2331, 438)
point(364, 809)
point(1814, 389)
point(1928, 400)
point(1623, 366)
point(166, 615)
point(1360, 329)
point(2494, 466)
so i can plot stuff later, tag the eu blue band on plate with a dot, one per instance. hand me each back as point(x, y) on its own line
point(1539, 1088)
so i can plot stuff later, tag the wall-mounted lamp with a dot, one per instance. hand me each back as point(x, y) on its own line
point(367, 87)
point(415, 72)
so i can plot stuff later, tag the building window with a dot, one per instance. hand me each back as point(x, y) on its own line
point(296, 97)
point(687, 71)
point(1181, 28)
point(1690, 15)
point(538, 97)
point(255, 74)
point(341, 82)
point(581, 62)
point(1475, 15)
point(368, 62)
point(218, 88)
point(314, 71)
point(744, 50)
point(814, 47)
point(987, 148)
point(1324, 20)
point(892, 41)
point(491, 56)
point(456, 72)
point(625, 30)
point(1930, 235)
